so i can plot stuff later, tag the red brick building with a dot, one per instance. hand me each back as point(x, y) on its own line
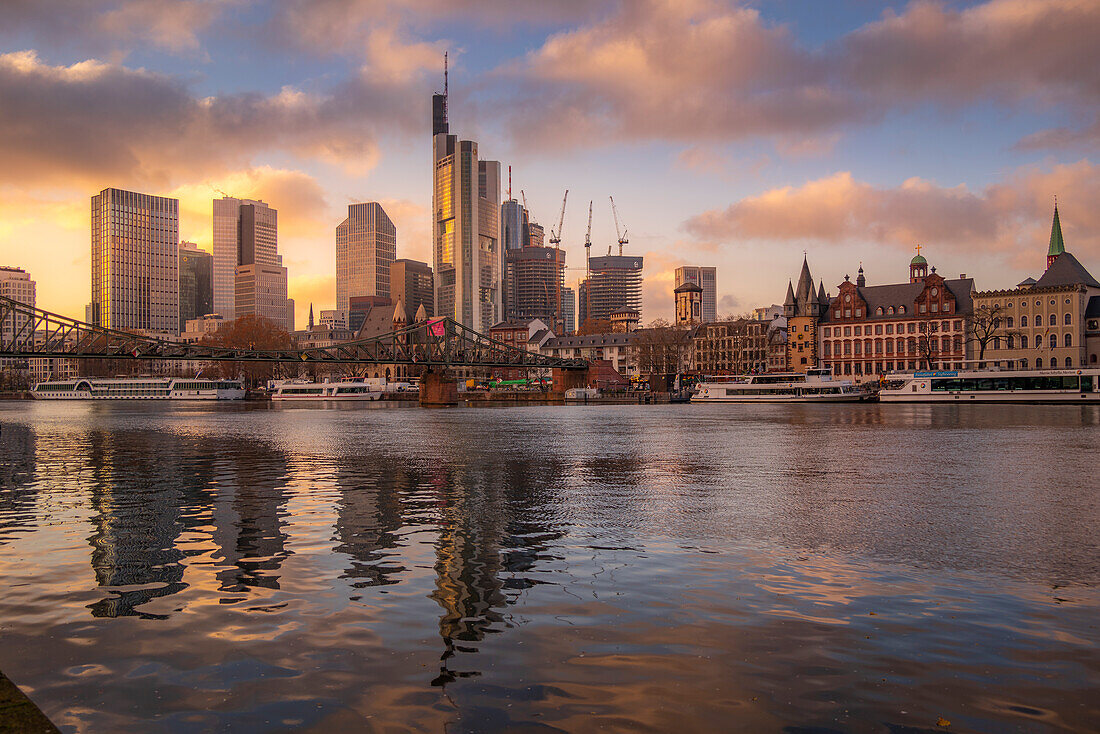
point(872, 330)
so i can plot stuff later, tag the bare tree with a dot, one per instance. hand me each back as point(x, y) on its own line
point(986, 324)
point(661, 348)
point(250, 331)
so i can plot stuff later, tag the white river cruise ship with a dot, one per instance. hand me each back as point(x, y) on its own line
point(139, 388)
point(345, 390)
point(994, 386)
point(816, 386)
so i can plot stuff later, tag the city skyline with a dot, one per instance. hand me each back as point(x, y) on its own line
point(855, 136)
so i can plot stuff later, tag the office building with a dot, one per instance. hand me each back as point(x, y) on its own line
point(366, 246)
point(466, 245)
point(614, 285)
point(245, 233)
point(536, 235)
point(707, 279)
point(569, 310)
point(16, 284)
point(196, 282)
point(412, 284)
point(534, 278)
point(135, 261)
point(514, 225)
point(261, 290)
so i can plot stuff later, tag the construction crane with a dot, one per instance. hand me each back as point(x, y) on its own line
point(555, 240)
point(588, 263)
point(622, 237)
point(524, 197)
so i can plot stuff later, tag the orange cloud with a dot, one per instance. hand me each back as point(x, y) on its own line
point(1007, 217)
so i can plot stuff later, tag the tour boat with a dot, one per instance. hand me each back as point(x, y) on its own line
point(139, 388)
point(816, 386)
point(994, 386)
point(345, 390)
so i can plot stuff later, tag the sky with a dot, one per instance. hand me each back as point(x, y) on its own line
point(733, 134)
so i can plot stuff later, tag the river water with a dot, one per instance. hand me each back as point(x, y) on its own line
point(241, 568)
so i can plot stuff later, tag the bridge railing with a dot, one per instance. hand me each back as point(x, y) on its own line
point(28, 332)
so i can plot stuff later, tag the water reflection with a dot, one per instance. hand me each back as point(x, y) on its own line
point(641, 569)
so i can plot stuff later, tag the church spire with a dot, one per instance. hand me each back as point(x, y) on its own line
point(311, 317)
point(1057, 244)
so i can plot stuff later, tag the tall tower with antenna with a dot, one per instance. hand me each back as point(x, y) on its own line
point(439, 105)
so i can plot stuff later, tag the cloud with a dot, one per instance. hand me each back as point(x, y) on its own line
point(93, 122)
point(1007, 217)
point(112, 26)
point(707, 70)
point(1061, 138)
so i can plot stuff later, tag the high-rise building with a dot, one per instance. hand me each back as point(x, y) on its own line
point(16, 284)
point(290, 323)
point(536, 235)
point(245, 233)
point(614, 285)
point(534, 277)
point(196, 282)
point(569, 309)
point(412, 284)
point(466, 245)
point(135, 261)
point(514, 222)
point(261, 290)
point(707, 279)
point(366, 245)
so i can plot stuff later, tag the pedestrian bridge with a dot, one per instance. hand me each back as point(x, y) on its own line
point(435, 344)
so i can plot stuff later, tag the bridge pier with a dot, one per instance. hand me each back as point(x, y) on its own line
point(438, 389)
point(566, 379)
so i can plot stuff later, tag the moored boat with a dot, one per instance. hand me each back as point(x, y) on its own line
point(994, 386)
point(139, 388)
point(815, 386)
point(343, 390)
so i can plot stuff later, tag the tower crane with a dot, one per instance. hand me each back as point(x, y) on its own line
point(524, 197)
point(588, 264)
point(555, 240)
point(622, 237)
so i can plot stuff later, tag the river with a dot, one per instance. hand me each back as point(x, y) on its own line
point(801, 568)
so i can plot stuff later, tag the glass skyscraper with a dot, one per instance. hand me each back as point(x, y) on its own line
point(135, 261)
point(366, 246)
point(196, 283)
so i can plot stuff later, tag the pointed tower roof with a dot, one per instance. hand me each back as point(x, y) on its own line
point(805, 290)
point(1057, 244)
point(311, 315)
point(821, 297)
point(790, 295)
point(399, 312)
point(421, 314)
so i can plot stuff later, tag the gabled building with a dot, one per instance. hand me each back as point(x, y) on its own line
point(803, 308)
point(1050, 322)
point(872, 330)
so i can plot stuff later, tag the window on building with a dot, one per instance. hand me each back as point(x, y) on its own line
point(848, 312)
point(805, 327)
point(889, 346)
point(889, 328)
point(901, 309)
point(1053, 341)
point(911, 328)
point(859, 331)
point(859, 312)
point(847, 331)
point(1008, 321)
point(1068, 320)
point(837, 313)
point(827, 331)
point(1038, 363)
point(935, 307)
point(828, 349)
point(878, 311)
point(890, 310)
point(1009, 342)
point(923, 308)
point(1068, 340)
point(1023, 341)
point(1023, 320)
point(878, 329)
point(1053, 320)
point(1069, 362)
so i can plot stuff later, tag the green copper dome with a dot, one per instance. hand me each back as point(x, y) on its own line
point(918, 260)
point(1057, 244)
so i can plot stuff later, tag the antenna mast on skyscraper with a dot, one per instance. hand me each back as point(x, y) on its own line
point(445, 89)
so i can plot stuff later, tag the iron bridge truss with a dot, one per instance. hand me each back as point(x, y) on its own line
point(27, 332)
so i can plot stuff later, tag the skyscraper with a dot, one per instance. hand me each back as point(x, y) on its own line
point(135, 261)
point(707, 279)
point(16, 284)
point(536, 235)
point(245, 233)
point(366, 245)
point(534, 277)
point(196, 282)
point(569, 309)
point(466, 246)
point(412, 284)
point(614, 285)
point(514, 225)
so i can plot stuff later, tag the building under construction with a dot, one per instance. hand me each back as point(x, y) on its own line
point(614, 284)
point(534, 277)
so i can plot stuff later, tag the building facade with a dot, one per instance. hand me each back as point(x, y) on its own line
point(689, 304)
point(412, 284)
point(245, 232)
point(366, 247)
point(803, 308)
point(196, 283)
point(135, 261)
point(1046, 323)
point(869, 331)
point(261, 290)
point(707, 279)
point(514, 221)
point(569, 310)
point(534, 278)
point(737, 347)
point(16, 284)
point(614, 348)
point(614, 284)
